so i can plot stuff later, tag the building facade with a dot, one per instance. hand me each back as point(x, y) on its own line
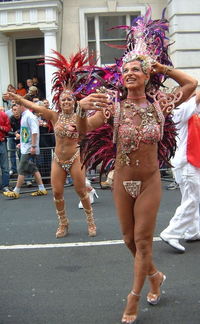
point(29, 30)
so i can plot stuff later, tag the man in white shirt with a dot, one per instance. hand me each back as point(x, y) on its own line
point(29, 147)
point(185, 224)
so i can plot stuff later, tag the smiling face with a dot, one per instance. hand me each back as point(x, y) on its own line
point(133, 75)
point(67, 102)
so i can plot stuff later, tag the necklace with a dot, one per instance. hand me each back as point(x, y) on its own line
point(67, 119)
point(66, 125)
point(142, 107)
point(135, 98)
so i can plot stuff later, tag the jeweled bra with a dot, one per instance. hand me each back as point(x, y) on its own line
point(129, 134)
point(66, 121)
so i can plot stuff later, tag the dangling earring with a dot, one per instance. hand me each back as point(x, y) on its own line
point(146, 82)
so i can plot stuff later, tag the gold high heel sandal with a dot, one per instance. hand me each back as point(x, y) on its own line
point(132, 318)
point(153, 299)
point(89, 218)
point(90, 222)
point(63, 227)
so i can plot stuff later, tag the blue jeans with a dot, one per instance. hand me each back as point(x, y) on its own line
point(12, 154)
point(4, 164)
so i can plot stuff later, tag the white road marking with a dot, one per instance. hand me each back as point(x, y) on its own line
point(63, 245)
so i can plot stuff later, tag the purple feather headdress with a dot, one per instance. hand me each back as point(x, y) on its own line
point(147, 37)
point(147, 42)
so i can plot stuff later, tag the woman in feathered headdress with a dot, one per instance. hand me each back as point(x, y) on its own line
point(68, 84)
point(138, 128)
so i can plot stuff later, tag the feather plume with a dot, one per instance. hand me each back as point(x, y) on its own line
point(97, 148)
point(167, 146)
point(72, 73)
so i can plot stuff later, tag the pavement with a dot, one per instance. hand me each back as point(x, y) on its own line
point(84, 280)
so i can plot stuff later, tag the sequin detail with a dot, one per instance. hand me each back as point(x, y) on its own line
point(66, 165)
point(132, 187)
point(164, 100)
point(66, 126)
point(137, 124)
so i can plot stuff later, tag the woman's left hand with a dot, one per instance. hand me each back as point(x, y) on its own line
point(94, 101)
point(158, 68)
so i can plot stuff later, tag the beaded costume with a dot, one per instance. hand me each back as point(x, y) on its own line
point(68, 124)
point(66, 127)
point(132, 187)
point(131, 131)
point(66, 165)
point(147, 43)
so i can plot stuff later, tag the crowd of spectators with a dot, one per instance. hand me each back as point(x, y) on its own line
point(10, 119)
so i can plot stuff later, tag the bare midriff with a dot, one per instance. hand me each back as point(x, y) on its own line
point(65, 147)
point(143, 163)
point(66, 137)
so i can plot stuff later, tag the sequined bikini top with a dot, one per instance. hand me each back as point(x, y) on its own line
point(134, 124)
point(138, 124)
point(66, 126)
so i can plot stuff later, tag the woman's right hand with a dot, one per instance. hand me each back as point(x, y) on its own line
point(95, 101)
point(11, 96)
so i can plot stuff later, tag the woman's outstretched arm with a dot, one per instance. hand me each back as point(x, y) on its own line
point(42, 111)
point(96, 102)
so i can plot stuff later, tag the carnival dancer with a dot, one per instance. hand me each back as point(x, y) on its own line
point(185, 224)
point(67, 154)
point(138, 127)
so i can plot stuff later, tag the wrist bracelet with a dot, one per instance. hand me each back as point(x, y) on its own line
point(167, 69)
point(33, 146)
point(80, 112)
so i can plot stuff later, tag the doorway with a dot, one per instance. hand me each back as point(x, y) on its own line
point(29, 54)
point(28, 68)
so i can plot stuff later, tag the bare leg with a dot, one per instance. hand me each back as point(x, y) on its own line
point(145, 212)
point(137, 218)
point(20, 181)
point(124, 205)
point(147, 206)
point(78, 176)
point(58, 178)
point(38, 178)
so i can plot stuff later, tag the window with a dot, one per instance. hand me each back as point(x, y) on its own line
point(99, 34)
point(29, 54)
point(30, 47)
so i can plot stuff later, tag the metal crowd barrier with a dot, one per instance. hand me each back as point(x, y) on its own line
point(44, 165)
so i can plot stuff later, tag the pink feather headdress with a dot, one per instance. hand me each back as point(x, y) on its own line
point(147, 42)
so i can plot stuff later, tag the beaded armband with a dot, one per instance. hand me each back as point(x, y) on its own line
point(80, 112)
point(167, 69)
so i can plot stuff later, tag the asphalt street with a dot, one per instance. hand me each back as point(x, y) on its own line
point(82, 280)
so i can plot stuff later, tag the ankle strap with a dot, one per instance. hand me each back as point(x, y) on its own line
point(134, 294)
point(154, 274)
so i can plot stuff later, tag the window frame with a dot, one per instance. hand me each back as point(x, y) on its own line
point(16, 58)
point(96, 12)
